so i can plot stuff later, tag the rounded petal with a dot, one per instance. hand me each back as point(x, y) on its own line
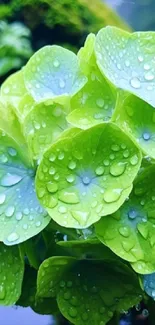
point(127, 60)
point(87, 176)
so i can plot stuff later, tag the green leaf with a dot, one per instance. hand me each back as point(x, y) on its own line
point(127, 60)
point(91, 291)
point(148, 282)
point(52, 72)
point(11, 274)
point(21, 215)
point(90, 248)
point(85, 177)
point(137, 119)
point(42, 126)
point(95, 102)
point(50, 274)
point(130, 232)
point(44, 306)
point(13, 89)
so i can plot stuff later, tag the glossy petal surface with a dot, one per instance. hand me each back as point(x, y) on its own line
point(130, 232)
point(88, 176)
point(127, 60)
point(21, 215)
point(52, 72)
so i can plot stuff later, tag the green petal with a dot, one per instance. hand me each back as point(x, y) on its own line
point(21, 215)
point(52, 72)
point(11, 274)
point(13, 89)
point(137, 118)
point(86, 297)
point(130, 232)
point(127, 60)
point(42, 126)
point(86, 54)
point(87, 176)
point(50, 274)
point(96, 100)
point(148, 281)
point(11, 125)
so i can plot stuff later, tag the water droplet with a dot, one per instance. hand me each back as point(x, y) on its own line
point(41, 192)
point(102, 310)
point(13, 237)
point(62, 284)
point(112, 156)
point(25, 226)
point(115, 147)
point(143, 229)
point(61, 156)
point(146, 136)
point(135, 83)
point(3, 158)
point(52, 157)
point(99, 170)
point(134, 160)
point(26, 211)
point(132, 214)
point(38, 223)
point(118, 66)
point(124, 231)
point(10, 179)
point(19, 216)
point(62, 209)
point(146, 66)
point(100, 102)
point(106, 162)
point(10, 211)
point(145, 313)
point(138, 307)
point(149, 76)
point(80, 216)
point(126, 153)
point(2, 292)
point(72, 312)
point(74, 301)
point(94, 204)
point(52, 187)
point(52, 202)
point(2, 198)
point(12, 152)
point(52, 171)
point(86, 180)
point(117, 168)
point(68, 197)
point(62, 83)
point(128, 245)
point(36, 125)
point(140, 58)
point(70, 178)
point(72, 165)
point(127, 63)
point(6, 90)
point(112, 195)
point(56, 63)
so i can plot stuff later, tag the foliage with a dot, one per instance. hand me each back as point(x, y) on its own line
point(62, 22)
point(15, 46)
point(77, 197)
